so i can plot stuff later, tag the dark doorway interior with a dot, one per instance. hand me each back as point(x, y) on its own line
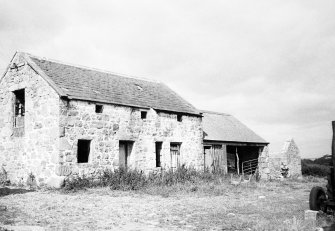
point(245, 154)
point(83, 151)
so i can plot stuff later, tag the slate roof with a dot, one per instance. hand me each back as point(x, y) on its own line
point(225, 127)
point(100, 86)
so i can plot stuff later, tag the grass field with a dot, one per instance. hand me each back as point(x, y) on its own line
point(277, 205)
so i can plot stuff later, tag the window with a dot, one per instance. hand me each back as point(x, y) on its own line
point(19, 102)
point(158, 153)
point(179, 118)
point(98, 108)
point(143, 115)
point(83, 151)
point(175, 154)
point(19, 111)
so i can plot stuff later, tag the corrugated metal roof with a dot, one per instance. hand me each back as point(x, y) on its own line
point(100, 86)
point(225, 127)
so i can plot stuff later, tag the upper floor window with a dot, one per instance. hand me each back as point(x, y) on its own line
point(143, 115)
point(19, 103)
point(179, 118)
point(99, 108)
point(19, 111)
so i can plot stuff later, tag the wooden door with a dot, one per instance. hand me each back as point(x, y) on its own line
point(123, 155)
point(217, 157)
point(125, 148)
point(175, 155)
point(208, 158)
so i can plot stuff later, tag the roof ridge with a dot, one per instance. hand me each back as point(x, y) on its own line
point(213, 112)
point(91, 68)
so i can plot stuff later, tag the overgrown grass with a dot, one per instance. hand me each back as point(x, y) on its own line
point(122, 179)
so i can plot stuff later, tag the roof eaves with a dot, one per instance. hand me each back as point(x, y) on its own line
point(127, 105)
point(104, 101)
point(40, 72)
point(242, 142)
point(180, 112)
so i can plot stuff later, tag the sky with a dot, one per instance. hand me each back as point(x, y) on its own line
point(269, 63)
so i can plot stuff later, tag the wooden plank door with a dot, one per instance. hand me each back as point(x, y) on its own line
point(208, 158)
point(123, 154)
point(175, 155)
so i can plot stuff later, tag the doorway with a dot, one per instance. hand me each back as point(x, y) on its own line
point(125, 148)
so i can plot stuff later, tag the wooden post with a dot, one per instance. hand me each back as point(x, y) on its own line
point(332, 177)
point(238, 163)
point(333, 143)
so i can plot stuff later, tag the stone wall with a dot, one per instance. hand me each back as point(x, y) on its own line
point(36, 150)
point(80, 121)
point(263, 164)
point(290, 157)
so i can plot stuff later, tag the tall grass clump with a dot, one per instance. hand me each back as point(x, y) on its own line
point(133, 179)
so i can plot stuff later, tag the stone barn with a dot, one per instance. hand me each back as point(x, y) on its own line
point(62, 119)
point(232, 147)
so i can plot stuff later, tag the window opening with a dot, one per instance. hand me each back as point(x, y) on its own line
point(19, 102)
point(158, 154)
point(143, 115)
point(98, 108)
point(83, 151)
point(19, 112)
point(179, 118)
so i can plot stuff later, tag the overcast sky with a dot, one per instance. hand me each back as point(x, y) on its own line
point(269, 63)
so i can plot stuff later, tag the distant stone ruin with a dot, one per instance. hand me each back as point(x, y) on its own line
point(287, 163)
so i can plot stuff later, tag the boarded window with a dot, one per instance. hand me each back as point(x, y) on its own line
point(143, 115)
point(83, 151)
point(175, 154)
point(125, 148)
point(98, 108)
point(158, 154)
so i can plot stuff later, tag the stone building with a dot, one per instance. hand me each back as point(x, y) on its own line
point(288, 158)
point(231, 146)
point(63, 119)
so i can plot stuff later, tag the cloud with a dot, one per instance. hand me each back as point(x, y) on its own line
point(268, 62)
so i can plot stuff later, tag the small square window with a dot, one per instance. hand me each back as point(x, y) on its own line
point(98, 108)
point(179, 118)
point(143, 115)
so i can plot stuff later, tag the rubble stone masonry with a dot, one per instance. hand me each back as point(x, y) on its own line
point(36, 149)
point(119, 123)
point(47, 145)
